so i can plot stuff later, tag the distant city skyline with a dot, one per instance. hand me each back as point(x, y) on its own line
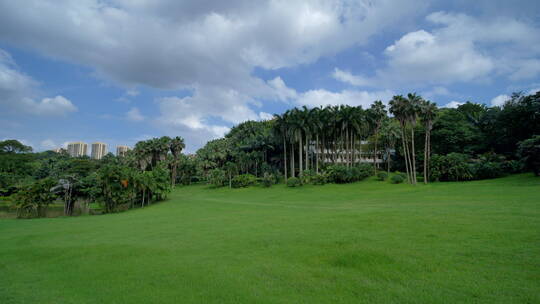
point(97, 149)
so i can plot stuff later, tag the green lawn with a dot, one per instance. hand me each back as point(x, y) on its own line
point(368, 242)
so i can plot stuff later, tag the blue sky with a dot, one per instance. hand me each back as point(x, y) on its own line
point(120, 71)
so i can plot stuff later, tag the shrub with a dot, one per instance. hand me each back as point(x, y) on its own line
point(217, 178)
point(294, 182)
point(397, 179)
point(33, 200)
point(338, 174)
point(268, 180)
point(361, 171)
point(243, 180)
point(486, 169)
point(512, 166)
point(529, 152)
point(307, 175)
point(318, 179)
point(450, 167)
point(382, 176)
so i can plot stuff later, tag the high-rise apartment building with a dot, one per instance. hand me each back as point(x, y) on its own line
point(76, 149)
point(98, 150)
point(121, 150)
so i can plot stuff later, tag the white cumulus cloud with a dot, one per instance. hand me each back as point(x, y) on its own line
point(499, 100)
point(453, 104)
point(134, 114)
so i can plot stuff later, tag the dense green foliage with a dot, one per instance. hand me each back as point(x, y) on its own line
point(397, 179)
point(340, 174)
point(32, 201)
point(529, 151)
point(305, 141)
point(35, 180)
point(268, 180)
point(369, 242)
point(382, 176)
point(243, 180)
point(294, 182)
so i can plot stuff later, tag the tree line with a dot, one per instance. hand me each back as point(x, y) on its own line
point(302, 145)
point(33, 181)
point(411, 135)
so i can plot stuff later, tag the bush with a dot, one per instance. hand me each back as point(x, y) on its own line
point(513, 166)
point(268, 180)
point(294, 182)
point(486, 169)
point(217, 178)
point(361, 172)
point(33, 200)
point(397, 179)
point(529, 152)
point(338, 174)
point(307, 175)
point(382, 176)
point(450, 167)
point(243, 180)
point(318, 179)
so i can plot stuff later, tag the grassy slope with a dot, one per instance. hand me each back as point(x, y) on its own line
point(368, 242)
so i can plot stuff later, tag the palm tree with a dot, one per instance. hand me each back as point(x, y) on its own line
point(307, 129)
point(281, 130)
point(427, 116)
point(398, 107)
point(389, 135)
point(289, 124)
point(413, 109)
point(176, 147)
point(377, 112)
point(316, 129)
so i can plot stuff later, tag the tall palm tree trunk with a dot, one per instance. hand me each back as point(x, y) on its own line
point(351, 146)
point(306, 147)
point(300, 166)
point(318, 152)
point(375, 154)
point(359, 150)
point(425, 158)
point(387, 161)
point(292, 159)
point(413, 156)
point(405, 150)
point(285, 157)
point(143, 196)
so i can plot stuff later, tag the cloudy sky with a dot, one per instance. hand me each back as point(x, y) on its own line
point(119, 71)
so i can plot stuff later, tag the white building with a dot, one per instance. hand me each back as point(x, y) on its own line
point(98, 150)
point(121, 150)
point(77, 149)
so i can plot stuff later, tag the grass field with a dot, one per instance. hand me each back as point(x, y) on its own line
point(368, 242)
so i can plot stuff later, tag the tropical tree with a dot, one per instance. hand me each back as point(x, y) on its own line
point(280, 129)
point(14, 146)
point(412, 110)
point(398, 107)
point(428, 113)
point(376, 115)
point(176, 147)
point(33, 200)
point(390, 134)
